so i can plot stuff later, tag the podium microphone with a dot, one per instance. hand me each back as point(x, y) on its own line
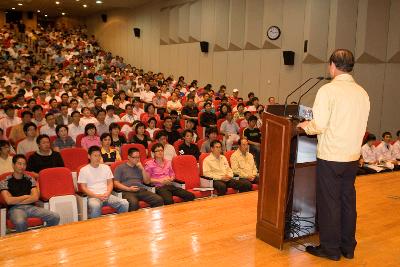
point(295, 90)
point(309, 89)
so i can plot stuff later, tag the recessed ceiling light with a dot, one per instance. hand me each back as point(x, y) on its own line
point(45, 15)
point(63, 13)
point(57, 3)
point(84, 5)
point(13, 8)
point(99, 2)
point(20, 4)
point(38, 11)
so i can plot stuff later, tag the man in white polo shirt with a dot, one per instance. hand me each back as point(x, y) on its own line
point(96, 181)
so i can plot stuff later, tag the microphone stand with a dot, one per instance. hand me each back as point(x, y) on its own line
point(306, 92)
point(286, 99)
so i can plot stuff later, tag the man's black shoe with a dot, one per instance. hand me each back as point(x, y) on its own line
point(320, 252)
point(348, 255)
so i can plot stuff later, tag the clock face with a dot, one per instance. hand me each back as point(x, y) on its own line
point(273, 32)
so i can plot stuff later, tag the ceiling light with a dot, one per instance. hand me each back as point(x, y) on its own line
point(99, 2)
point(38, 11)
point(57, 3)
point(63, 13)
point(20, 4)
point(13, 8)
point(45, 15)
point(84, 5)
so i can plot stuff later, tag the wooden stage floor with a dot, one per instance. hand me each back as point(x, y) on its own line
point(215, 232)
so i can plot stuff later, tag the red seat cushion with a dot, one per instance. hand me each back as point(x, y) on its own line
point(254, 187)
point(32, 222)
point(200, 194)
point(107, 210)
point(143, 204)
point(229, 191)
point(177, 199)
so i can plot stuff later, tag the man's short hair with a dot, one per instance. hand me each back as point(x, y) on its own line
point(27, 125)
point(241, 140)
point(110, 107)
point(74, 112)
point(370, 137)
point(17, 157)
point(8, 107)
point(26, 112)
point(132, 150)
point(93, 149)
point(48, 114)
point(212, 144)
point(187, 131)
point(211, 130)
point(40, 137)
point(253, 118)
point(343, 60)
point(37, 107)
point(161, 134)
point(4, 143)
point(386, 133)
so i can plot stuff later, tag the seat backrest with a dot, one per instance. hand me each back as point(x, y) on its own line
point(201, 159)
point(8, 131)
point(140, 147)
point(79, 140)
point(55, 182)
point(200, 143)
point(185, 169)
point(114, 165)
point(122, 123)
point(228, 155)
point(74, 157)
point(377, 143)
point(149, 148)
point(131, 135)
point(241, 131)
point(177, 143)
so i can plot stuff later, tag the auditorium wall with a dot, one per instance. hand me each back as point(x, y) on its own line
point(241, 56)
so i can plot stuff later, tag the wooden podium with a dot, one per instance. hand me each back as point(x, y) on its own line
point(282, 189)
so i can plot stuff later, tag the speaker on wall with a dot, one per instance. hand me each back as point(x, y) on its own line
point(288, 57)
point(136, 32)
point(204, 46)
point(104, 17)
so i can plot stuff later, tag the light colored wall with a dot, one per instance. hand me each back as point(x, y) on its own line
point(2, 18)
point(241, 56)
point(68, 22)
point(29, 23)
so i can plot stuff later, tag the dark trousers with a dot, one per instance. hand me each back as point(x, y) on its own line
point(242, 185)
point(150, 198)
point(167, 191)
point(336, 205)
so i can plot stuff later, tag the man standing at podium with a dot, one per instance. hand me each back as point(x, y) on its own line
point(340, 113)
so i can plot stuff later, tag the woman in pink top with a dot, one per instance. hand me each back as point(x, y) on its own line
point(90, 138)
point(162, 176)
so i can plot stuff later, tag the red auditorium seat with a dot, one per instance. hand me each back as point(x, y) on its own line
point(74, 157)
point(186, 170)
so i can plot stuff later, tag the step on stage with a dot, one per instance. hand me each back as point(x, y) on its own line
point(214, 232)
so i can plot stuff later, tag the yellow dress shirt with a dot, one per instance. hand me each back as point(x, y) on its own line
point(243, 164)
point(340, 116)
point(216, 168)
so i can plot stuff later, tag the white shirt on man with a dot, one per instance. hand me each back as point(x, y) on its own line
point(385, 152)
point(74, 130)
point(396, 149)
point(46, 129)
point(369, 153)
point(95, 178)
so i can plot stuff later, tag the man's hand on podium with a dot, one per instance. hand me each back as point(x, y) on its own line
point(303, 124)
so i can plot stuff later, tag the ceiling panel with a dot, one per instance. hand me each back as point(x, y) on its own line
point(70, 7)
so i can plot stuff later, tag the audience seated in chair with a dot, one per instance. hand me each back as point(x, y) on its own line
point(63, 140)
point(253, 135)
point(130, 178)
point(91, 138)
point(242, 163)
point(96, 181)
point(29, 143)
point(188, 147)
point(169, 150)
point(385, 152)
point(20, 193)
point(230, 130)
point(216, 166)
point(5, 158)
point(44, 157)
point(162, 176)
point(211, 134)
point(17, 131)
point(76, 127)
point(108, 153)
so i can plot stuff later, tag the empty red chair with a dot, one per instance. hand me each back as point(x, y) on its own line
point(74, 157)
point(57, 188)
point(186, 170)
point(140, 147)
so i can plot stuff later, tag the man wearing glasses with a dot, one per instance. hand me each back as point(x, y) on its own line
point(130, 178)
